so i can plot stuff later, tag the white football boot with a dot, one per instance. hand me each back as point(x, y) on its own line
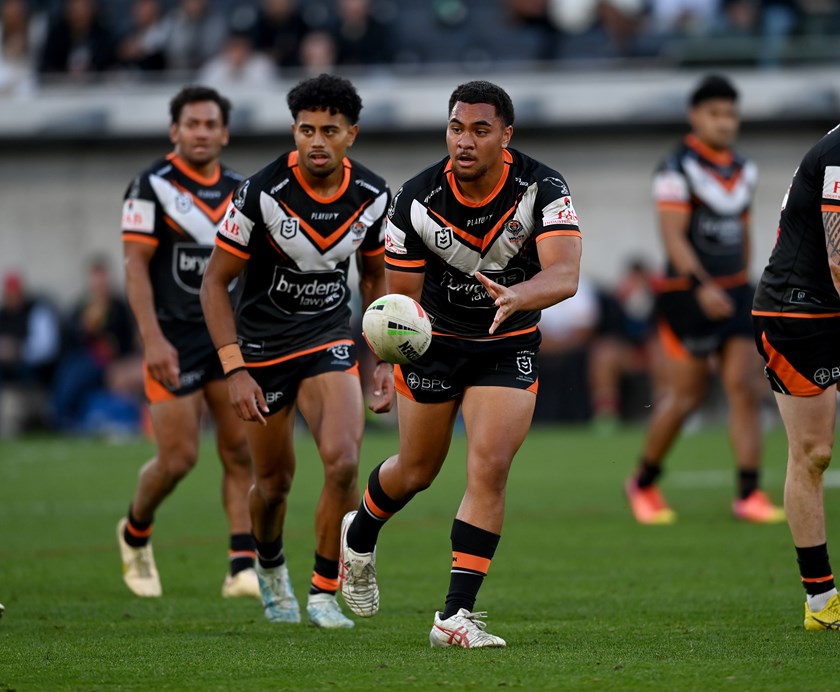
point(243, 583)
point(279, 602)
point(357, 575)
point(139, 571)
point(464, 629)
point(323, 611)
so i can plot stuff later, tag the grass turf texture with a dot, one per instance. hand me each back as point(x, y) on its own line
point(586, 598)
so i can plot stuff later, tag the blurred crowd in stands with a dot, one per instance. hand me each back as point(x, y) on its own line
point(250, 41)
point(80, 371)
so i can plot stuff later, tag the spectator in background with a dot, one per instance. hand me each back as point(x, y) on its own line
point(30, 340)
point(675, 18)
point(597, 28)
point(195, 34)
point(238, 63)
point(78, 41)
point(362, 37)
point(21, 37)
point(142, 47)
point(99, 336)
point(318, 52)
point(625, 345)
point(567, 330)
point(279, 30)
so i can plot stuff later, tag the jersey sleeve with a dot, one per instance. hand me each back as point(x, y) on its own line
point(374, 218)
point(404, 250)
point(831, 190)
point(555, 213)
point(234, 231)
point(671, 191)
point(141, 213)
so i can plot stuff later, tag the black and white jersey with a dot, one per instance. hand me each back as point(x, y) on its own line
point(433, 229)
point(172, 208)
point(298, 246)
point(797, 281)
point(718, 189)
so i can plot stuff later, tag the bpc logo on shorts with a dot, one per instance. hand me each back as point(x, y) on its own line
point(413, 380)
point(822, 377)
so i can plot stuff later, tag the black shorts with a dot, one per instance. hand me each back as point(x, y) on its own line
point(452, 364)
point(686, 331)
point(801, 355)
point(280, 378)
point(197, 360)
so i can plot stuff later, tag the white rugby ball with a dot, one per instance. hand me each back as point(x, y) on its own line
point(397, 328)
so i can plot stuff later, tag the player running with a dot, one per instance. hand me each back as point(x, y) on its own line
point(291, 232)
point(483, 240)
point(169, 220)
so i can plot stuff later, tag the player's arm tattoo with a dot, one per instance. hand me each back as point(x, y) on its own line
point(831, 224)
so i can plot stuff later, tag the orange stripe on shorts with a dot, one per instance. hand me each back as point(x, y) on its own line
point(671, 342)
point(796, 383)
point(817, 580)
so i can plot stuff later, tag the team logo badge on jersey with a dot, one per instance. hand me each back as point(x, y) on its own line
point(289, 228)
point(241, 194)
point(183, 203)
point(515, 231)
point(358, 230)
point(443, 238)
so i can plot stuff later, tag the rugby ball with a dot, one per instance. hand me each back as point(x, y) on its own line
point(397, 328)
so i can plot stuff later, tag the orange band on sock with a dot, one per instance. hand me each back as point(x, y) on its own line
point(374, 510)
point(470, 562)
point(817, 580)
point(231, 358)
point(137, 533)
point(321, 582)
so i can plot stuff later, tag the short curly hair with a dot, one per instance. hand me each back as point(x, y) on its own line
point(326, 93)
point(480, 91)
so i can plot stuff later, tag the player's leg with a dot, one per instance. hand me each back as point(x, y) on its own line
point(809, 423)
point(683, 391)
point(740, 369)
point(332, 405)
point(425, 434)
point(273, 459)
point(175, 422)
point(237, 478)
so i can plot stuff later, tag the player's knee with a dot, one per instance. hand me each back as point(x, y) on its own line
point(273, 490)
point(818, 455)
point(342, 471)
point(177, 461)
point(234, 454)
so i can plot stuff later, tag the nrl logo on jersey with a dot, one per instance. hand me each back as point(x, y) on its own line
point(443, 237)
point(289, 228)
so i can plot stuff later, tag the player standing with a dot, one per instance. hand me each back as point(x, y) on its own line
point(796, 313)
point(703, 194)
point(483, 240)
point(293, 229)
point(169, 220)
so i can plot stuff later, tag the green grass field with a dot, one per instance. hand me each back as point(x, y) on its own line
point(586, 598)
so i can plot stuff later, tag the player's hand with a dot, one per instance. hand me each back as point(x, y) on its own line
point(383, 388)
point(714, 301)
point(247, 397)
point(162, 362)
point(504, 298)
